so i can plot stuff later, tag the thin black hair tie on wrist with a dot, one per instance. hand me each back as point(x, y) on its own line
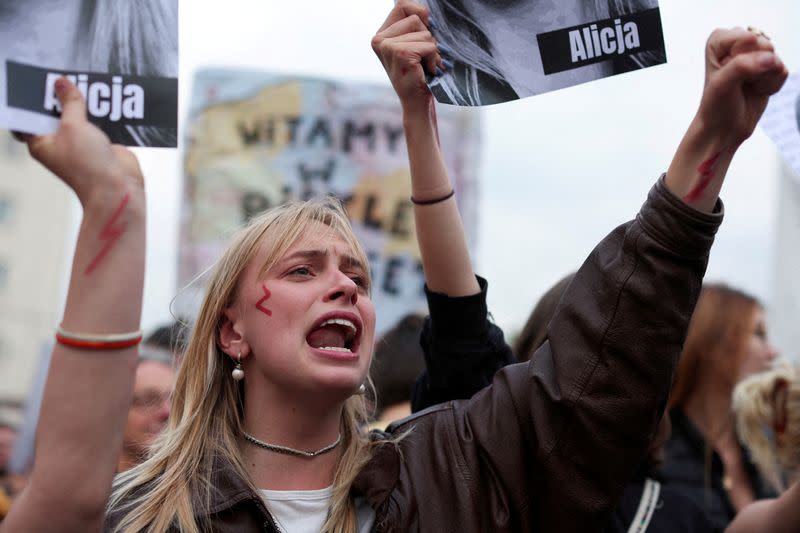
point(434, 200)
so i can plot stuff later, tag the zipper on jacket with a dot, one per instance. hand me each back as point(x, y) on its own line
point(269, 523)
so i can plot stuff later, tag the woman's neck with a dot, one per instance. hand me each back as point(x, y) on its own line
point(293, 426)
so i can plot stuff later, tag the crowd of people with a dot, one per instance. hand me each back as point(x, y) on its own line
point(257, 417)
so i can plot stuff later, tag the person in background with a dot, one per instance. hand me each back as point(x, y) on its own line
point(147, 417)
point(726, 342)
point(397, 362)
point(767, 411)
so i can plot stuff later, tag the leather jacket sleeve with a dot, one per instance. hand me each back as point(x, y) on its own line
point(549, 445)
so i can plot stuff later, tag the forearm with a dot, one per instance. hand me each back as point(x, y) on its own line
point(88, 392)
point(778, 515)
point(699, 166)
point(440, 232)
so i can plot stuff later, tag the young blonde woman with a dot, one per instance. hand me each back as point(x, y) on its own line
point(265, 432)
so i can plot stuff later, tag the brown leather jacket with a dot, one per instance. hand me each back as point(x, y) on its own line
point(549, 445)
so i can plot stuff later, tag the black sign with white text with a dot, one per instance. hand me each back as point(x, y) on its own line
point(601, 40)
point(110, 99)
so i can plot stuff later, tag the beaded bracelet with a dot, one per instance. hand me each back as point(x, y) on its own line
point(90, 341)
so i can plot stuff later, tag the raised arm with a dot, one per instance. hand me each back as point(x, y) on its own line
point(88, 390)
point(550, 445)
point(742, 71)
point(407, 50)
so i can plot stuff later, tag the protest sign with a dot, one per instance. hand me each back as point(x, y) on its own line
point(501, 51)
point(781, 122)
point(256, 140)
point(123, 57)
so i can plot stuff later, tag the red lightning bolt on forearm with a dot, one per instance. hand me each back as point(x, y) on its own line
point(266, 296)
point(706, 171)
point(111, 234)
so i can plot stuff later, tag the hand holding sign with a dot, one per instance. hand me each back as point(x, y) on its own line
point(80, 154)
point(407, 50)
point(742, 72)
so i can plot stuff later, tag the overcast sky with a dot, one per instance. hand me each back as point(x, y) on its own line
point(558, 171)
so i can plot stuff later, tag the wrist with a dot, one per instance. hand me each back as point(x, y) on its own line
point(419, 112)
point(104, 200)
point(709, 132)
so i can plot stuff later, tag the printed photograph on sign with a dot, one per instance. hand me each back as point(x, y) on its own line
point(123, 57)
point(256, 140)
point(501, 51)
point(781, 122)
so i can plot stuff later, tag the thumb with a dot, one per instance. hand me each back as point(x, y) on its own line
point(73, 105)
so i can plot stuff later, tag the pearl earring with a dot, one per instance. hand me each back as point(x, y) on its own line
point(238, 372)
point(362, 389)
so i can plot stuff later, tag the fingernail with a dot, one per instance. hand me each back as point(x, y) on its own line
point(444, 49)
point(448, 64)
point(61, 85)
point(431, 24)
point(766, 59)
point(438, 73)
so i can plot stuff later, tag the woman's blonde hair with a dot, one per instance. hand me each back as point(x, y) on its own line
point(767, 410)
point(174, 485)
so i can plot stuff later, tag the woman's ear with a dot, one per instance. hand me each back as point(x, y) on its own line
point(231, 335)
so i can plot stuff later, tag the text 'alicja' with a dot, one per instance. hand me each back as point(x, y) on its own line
point(589, 42)
point(102, 101)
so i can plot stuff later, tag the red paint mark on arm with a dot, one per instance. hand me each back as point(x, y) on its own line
point(111, 233)
point(706, 171)
point(259, 303)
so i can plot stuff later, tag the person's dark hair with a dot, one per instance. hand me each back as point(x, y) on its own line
point(169, 337)
point(534, 333)
point(397, 362)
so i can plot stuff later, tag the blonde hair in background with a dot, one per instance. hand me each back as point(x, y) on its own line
point(206, 421)
point(472, 47)
point(770, 402)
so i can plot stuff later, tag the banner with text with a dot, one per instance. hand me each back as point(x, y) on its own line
point(256, 140)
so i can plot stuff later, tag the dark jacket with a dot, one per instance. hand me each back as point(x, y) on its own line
point(549, 445)
point(685, 470)
point(672, 510)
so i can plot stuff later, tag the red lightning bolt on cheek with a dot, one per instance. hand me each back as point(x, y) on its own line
point(111, 233)
point(706, 171)
point(263, 299)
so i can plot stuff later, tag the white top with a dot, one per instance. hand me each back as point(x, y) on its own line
point(304, 511)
